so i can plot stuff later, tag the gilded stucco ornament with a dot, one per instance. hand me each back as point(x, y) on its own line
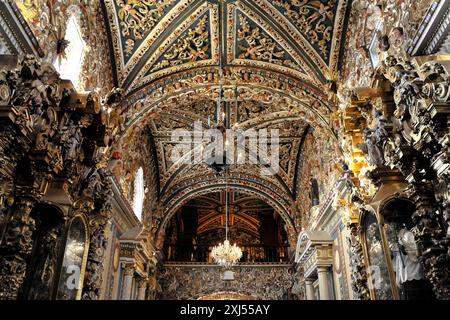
point(255, 108)
point(278, 282)
point(45, 123)
point(270, 80)
point(255, 44)
point(404, 132)
point(142, 47)
point(138, 17)
point(29, 135)
point(394, 20)
point(314, 18)
point(420, 93)
point(195, 45)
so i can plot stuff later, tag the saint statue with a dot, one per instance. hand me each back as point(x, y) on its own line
point(406, 258)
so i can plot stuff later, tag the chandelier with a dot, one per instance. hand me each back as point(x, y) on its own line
point(225, 254)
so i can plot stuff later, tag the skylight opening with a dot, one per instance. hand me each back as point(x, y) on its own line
point(69, 67)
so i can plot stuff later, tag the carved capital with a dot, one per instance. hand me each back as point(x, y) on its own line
point(129, 269)
point(142, 282)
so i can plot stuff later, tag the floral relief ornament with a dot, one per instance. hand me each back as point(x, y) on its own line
point(256, 45)
point(313, 18)
point(193, 47)
point(138, 17)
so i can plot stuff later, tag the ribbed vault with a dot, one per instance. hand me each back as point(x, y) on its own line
point(277, 58)
point(151, 38)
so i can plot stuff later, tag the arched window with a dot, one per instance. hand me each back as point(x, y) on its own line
point(70, 64)
point(138, 198)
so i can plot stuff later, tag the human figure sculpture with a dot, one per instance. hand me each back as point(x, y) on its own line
point(374, 140)
point(406, 258)
point(371, 148)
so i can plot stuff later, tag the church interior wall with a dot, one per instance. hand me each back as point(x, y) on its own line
point(363, 182)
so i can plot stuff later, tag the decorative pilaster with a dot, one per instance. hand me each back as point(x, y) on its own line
point(142, 288)
point(96, 256)
point(129, 270)
point(98, 223)
point(357, 263)
point(97, 185)
point(15, 249)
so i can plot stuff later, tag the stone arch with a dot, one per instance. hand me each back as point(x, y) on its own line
point(198, 190)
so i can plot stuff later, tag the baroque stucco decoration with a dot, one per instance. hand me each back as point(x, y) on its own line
point(283, 68)
point(58, 135)
point(392, 131)
point(268, 78)
point(274, 282)
point(144, 50)
point(253, 107)
point(151, 66)
point(48, 22)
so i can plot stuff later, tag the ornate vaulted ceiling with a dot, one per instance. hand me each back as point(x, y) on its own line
point(248, 114)
point(155, 38)
point(277, 57)
point(244, 213)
